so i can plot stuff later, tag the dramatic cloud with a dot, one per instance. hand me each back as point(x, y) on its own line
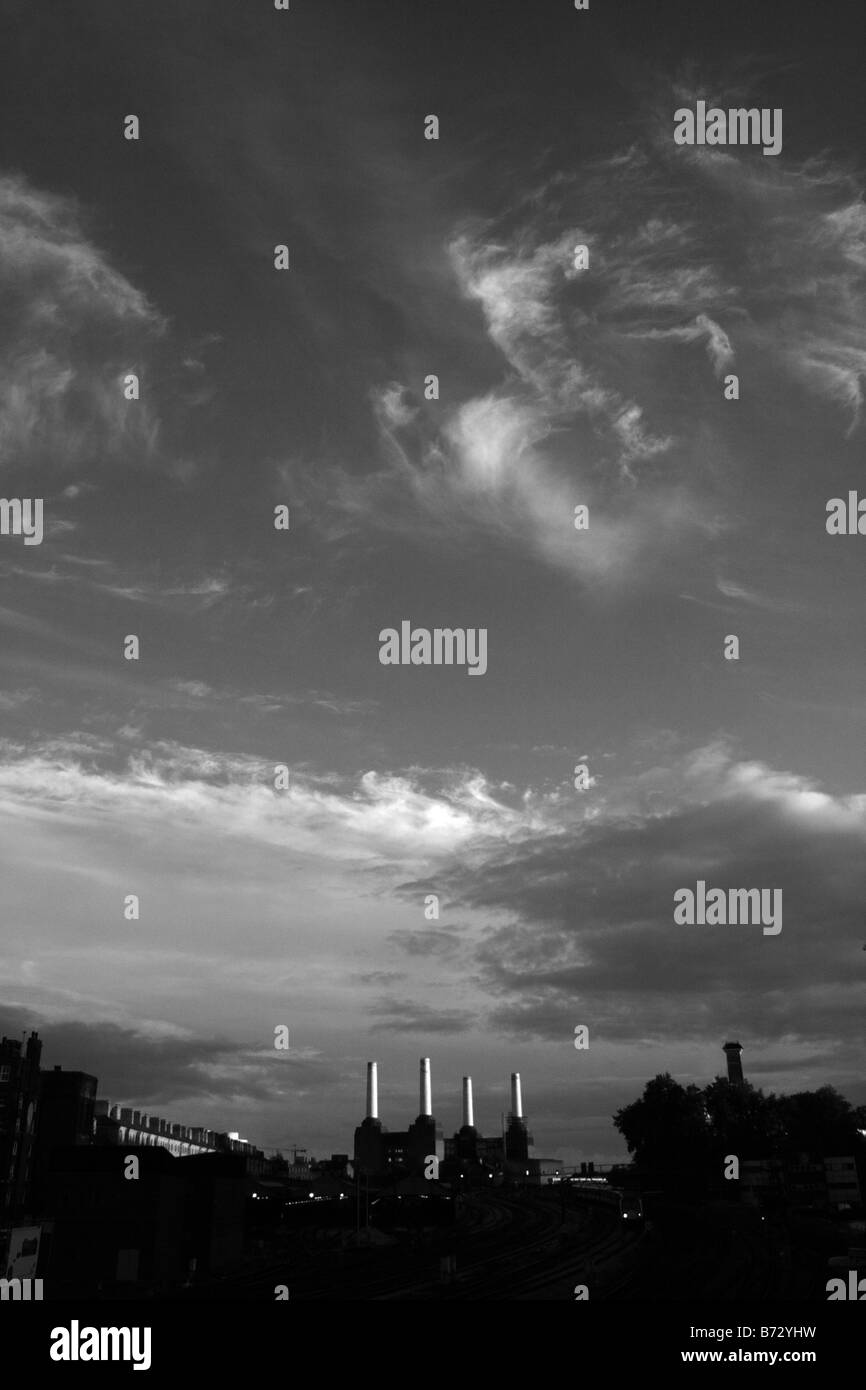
point(380, 819)
point(591, 935)
point(586, 885)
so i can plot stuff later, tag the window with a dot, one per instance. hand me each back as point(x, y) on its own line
point(4, 1074)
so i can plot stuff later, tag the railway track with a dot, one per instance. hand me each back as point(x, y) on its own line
point(518, 1246)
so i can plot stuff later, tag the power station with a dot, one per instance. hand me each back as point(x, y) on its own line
point(380, 1153)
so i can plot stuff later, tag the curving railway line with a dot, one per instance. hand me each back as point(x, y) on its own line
point(526, 1245)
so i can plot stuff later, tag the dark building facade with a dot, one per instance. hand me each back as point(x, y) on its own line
point(66, 1109)
point(19, 1109)
point(153, 1228)
point(110, 1229)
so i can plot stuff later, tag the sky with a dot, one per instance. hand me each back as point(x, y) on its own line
point(558, 387)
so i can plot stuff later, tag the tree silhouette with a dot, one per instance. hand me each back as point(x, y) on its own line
point(667, 1129)
point(680, 1134)
point(819, 1123)
point(743, 1120)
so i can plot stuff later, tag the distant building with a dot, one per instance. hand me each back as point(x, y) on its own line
point(734, 1054)
point(369, 1150)
point(19, 1107)
point(121, 1125)
point(379, 1152)
point(66, 1112)
point(805, 1182)
point(843, 1184)
point(334, 1167)
point(545, 1171)
point(823, 1182)
point(518, 1140)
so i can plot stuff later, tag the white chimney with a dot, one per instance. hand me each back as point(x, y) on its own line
point(468, 1112)
point(516, 1098)
point(426, 1095)
point(372, 1091)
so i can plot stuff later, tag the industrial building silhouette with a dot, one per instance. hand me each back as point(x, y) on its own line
point(380, 1153)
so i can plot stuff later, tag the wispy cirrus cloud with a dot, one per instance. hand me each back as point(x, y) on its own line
point(61, 396)
point(583, 351)
point(73, 328)
point(704, 329)
point(740, 594)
